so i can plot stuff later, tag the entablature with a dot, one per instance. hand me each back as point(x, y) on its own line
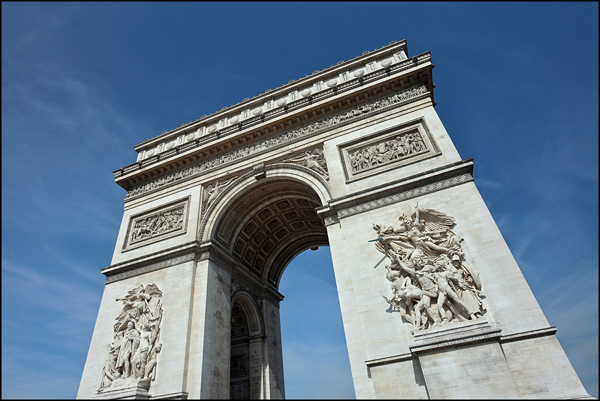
point(343, 71)
point(190, 148)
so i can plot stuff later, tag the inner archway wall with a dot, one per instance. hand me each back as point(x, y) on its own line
point(255, 227)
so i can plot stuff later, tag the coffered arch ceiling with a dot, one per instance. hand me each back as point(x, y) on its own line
point(268, 225)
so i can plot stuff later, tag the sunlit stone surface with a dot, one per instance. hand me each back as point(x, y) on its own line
point(354, 157)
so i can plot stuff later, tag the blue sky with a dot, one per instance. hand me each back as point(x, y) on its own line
point(517, 90)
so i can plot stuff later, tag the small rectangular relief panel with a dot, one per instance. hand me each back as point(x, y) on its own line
point(394, 147)
point(158, 224)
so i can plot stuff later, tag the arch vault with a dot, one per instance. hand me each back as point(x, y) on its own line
point(354, 157)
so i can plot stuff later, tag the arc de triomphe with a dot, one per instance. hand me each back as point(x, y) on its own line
point(353, 157)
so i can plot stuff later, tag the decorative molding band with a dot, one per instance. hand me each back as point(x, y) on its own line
point(209, 127)
point(488, 337)
point(143, 269)
point(404, 195)
point(388, 360)
point(329, 220)
point(182, 395)
point(158, 224)
point(285, 138)
point(549, 331)
point(457, 336)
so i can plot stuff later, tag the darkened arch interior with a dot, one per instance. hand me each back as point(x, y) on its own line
point(269, 223)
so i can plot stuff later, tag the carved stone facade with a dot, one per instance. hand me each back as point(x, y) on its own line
point(392, 148)
point(281, 139)
point(431, 283)
point(157, 225)
point(313, 159)
point(216, 210)
point(133, 354)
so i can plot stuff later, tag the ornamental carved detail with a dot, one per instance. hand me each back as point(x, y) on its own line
point(156, 225)
point(213, 191)
point(399, 147)
point(133, 353)
point(313, 159)
point(432, 283)
point(281, 139)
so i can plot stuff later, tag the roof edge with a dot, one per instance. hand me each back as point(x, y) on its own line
point(365, 57)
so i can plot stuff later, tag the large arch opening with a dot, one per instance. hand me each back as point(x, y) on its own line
point(266, 226)
point(315, 356)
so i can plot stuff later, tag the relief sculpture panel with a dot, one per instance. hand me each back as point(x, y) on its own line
point(313, 159)
point(432, 283)
point(391, 148)
point(406, 144)
point(132, 355)
point(157, 224)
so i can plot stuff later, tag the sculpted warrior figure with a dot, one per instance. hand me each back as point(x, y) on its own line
point(110, 371)
point(430, 284)
point(151, 366)
point(132, 355)
point(131, 340)
point(214, 190)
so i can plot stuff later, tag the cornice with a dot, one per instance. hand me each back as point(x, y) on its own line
point(194, 166)
point(188, 147)
point(324, 75)
point(151, 262)
point(397, 191)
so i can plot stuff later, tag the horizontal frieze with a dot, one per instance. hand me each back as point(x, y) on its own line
point(233, 124)
point(337, 76)
point(276, 141)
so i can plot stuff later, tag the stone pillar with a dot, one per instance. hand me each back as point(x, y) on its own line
point(257, 381)
point(275, 388)
point(208, 372)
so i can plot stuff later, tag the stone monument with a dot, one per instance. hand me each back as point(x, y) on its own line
point(353, 157)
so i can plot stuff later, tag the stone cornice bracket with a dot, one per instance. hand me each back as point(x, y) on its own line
point(528, 334)
point(259, 171)
point(328, 215)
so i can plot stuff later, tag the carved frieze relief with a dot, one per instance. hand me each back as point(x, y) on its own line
point(394, 147)
point(432, 282)
point(284, 138)
point(156, 225)
point(133, 353)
